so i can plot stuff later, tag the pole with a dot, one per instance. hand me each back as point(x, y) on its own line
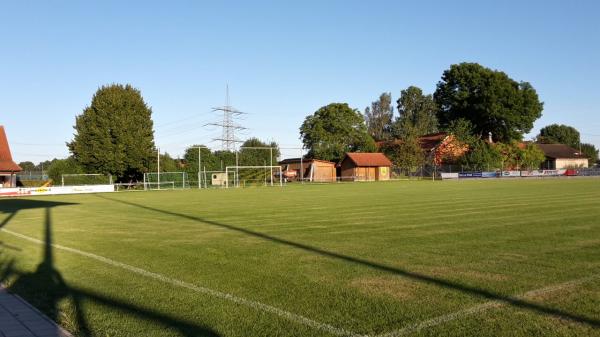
point(271, 168)
point(236, 172)
point(301, 167)
point(199, 168)
point(158, 166)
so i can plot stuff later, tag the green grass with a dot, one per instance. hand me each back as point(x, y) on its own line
point(369, 258)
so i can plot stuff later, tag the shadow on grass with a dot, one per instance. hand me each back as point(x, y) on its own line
point(474, 291)
point(45, 288)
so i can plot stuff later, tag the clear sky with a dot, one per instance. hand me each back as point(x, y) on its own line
point(281, 59)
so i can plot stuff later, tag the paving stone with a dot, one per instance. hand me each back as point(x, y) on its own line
point(20, 319)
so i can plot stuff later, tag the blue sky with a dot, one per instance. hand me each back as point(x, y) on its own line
point(282, 60)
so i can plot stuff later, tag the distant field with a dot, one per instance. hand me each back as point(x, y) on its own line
point(418, 258)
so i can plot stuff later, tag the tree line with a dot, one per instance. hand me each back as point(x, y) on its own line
point(114, 134)
point(471, 102)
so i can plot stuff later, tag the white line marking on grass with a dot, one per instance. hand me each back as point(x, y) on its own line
point(207, 291)
point(484, 307)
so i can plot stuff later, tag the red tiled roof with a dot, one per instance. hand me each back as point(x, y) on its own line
point(6, 162)
point(427, 142)
point(431, 141)
point(368, 159)
point(304, 161)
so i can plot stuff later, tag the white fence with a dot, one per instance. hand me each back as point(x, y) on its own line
point(25, 191)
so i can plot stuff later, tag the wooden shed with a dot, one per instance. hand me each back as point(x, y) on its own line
point(8, 168)
point(316, 170)
point(358, 166)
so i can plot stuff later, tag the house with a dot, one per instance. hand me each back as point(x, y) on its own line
point(441, 148)
point(295, 169)
point(8, 168)
point(358, 166)
point(560, 156)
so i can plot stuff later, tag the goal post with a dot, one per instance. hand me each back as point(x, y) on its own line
point(79, 179)
point(260, 175)
point(162, 185)
point(154, 180)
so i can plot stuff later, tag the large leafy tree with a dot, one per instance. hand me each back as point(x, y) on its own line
point(559, 134)
point(379, 117)
point(58, 167)
point(255, 152)
point(27, 165)
point(515, 155)
point(114, 134)
point(334, 130)
point(489, 99)
point(406, 152)
point(590, 151)
point(482, 156)
point(417, 113)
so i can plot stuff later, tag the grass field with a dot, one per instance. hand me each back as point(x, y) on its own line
point(468, 258)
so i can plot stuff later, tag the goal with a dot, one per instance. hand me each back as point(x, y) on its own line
point(244, 176)
point(166, 180)
point(85, 179)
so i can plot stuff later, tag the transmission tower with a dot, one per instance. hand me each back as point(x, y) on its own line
point(228, 124)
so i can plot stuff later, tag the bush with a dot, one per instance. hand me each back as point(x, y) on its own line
point(63, 166)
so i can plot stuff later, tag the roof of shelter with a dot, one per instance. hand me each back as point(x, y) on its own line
point(559, 151)
point(304, 160)
point(368, 159)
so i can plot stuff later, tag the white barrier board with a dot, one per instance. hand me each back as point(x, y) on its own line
point(25, 191)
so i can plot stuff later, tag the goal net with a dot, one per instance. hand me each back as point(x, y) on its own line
point(85, 179)
point(245, 176)
point(166, 180)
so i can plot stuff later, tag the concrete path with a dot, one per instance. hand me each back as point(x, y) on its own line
point(19, 319)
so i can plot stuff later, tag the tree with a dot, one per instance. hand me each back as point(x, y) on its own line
point(515, 155)
point(257, 157)
point(334, 130)
point(114, 134)
point(406, 152)
point(379, 117)
point(417, 113)
point(531, 157)
point(63, 166)
point(559, 134)
point(489, 99)
point(591, 152)
point(167, 164)
point(462, 129)
point(43, 166)
point(190, 158)
point(27, 166)
point(482, 156)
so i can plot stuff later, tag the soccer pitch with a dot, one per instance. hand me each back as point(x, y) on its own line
point(417, 258)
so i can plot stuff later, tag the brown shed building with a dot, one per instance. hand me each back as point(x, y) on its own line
point(358, 166)
point(8, 168)
point(316, 170)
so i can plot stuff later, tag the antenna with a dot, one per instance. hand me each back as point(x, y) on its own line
point(228, 124)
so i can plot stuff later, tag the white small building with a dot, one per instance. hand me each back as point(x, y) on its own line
point(560, 156)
